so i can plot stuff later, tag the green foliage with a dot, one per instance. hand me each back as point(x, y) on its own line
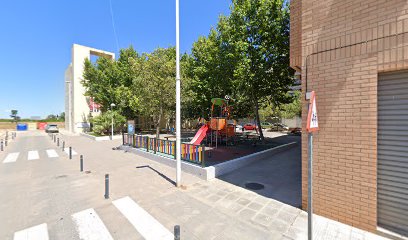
point(102, 124)
point(109, 81)
point(287, 110)
point(292, 109)
point(155, 84)
point(246, 57)
point(14, 116)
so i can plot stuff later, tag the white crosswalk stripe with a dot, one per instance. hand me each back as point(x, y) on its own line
point(33, 155)
point(66, 150)
point(39, 232)
point(90, 226)
point(144, 223)
point(11, 157)
point(52, 153)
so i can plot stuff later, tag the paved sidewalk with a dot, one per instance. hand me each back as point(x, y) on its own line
point(205, 210)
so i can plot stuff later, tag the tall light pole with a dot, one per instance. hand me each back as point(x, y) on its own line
point(178, 99)
point(112, 105)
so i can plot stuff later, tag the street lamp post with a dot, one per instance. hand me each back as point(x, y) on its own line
point(112, 105)
point(178, 100)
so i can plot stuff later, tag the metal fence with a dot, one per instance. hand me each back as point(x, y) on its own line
point(189, 152)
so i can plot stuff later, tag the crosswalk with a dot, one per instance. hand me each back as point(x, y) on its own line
point(34, 155)
point(90, 226)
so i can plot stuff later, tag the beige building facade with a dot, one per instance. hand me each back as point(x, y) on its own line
point(354, 55)
point(77, 105)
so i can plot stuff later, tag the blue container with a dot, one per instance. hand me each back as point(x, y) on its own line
point(22, 127)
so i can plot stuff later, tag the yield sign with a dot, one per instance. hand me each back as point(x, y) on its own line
point(312, 123)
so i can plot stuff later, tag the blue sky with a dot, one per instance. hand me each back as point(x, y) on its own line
point(36, 39)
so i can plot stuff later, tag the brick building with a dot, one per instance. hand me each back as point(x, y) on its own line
point(354, 55)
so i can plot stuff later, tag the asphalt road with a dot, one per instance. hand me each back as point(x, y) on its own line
point(43, 195)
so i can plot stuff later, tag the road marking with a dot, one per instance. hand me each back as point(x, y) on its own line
point(39, 232)
point(33, 155)
point(90, 226)
point(66, 150)
point(11, 157)
point(52, 153)
point(144, 223)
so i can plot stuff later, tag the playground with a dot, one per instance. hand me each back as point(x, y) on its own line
point(216, 140)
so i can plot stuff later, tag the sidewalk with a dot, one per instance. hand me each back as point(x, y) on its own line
point(204, 210)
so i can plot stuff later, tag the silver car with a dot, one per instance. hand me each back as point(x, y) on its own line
point(51, 128)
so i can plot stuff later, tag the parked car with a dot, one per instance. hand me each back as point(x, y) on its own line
point(296, 131)
point(238, 128)
point(51, 128)
point(249, 126)
point(280, 127)
point(266, 125)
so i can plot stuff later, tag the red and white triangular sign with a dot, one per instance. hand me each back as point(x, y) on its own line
point(312, 122)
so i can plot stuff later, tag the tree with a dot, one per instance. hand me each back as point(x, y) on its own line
point(62, 116)
point(14, 115)
point(102, 124)
point(109, 81)
point(51, 117)
point(155, 84)
point(257, 32)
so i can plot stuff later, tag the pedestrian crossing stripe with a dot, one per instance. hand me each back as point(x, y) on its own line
point(66, 150)
point(33, 155)
point(11, 157)
point(145, 224)
point(51, 153)
point(39, 232)
point(90, 226)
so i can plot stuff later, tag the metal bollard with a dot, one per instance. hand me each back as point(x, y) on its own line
point(70, 152)
point(1, 145)
point(177, 232)
point(5, 142)
point(81, 163)
point(106, 186)
point(63, 145)
point(55, 138)
point(57, 142)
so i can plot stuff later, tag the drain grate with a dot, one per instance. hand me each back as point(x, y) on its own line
point(254, 186)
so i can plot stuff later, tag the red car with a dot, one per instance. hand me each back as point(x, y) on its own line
point(249, 126)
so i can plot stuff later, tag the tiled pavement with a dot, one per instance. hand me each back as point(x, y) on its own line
point(205, 210)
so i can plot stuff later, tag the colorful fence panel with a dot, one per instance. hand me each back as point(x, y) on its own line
point(189, 152)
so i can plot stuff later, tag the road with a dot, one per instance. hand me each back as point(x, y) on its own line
point(45, 196)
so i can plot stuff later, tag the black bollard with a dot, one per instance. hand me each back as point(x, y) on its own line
point(177, 232)
point(1, 145)
point(106, 186)
point(81, 163)
point(57, 142)
point(70, 152)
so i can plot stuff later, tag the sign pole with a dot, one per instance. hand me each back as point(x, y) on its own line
point(310, 188)
point(312, 125)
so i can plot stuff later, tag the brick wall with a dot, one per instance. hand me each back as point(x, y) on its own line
point(348, 42)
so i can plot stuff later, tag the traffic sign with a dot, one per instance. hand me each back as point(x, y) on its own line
point(312, 121)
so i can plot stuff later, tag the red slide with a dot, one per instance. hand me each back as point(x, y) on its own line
point(200, 135)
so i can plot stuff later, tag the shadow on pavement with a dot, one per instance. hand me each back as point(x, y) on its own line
point(280, 174)
point(159, 173)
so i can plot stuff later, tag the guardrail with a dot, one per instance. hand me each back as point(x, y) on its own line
point(189, 152)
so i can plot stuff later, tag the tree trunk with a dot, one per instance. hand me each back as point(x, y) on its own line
point(158, 123)
point(258, 121)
